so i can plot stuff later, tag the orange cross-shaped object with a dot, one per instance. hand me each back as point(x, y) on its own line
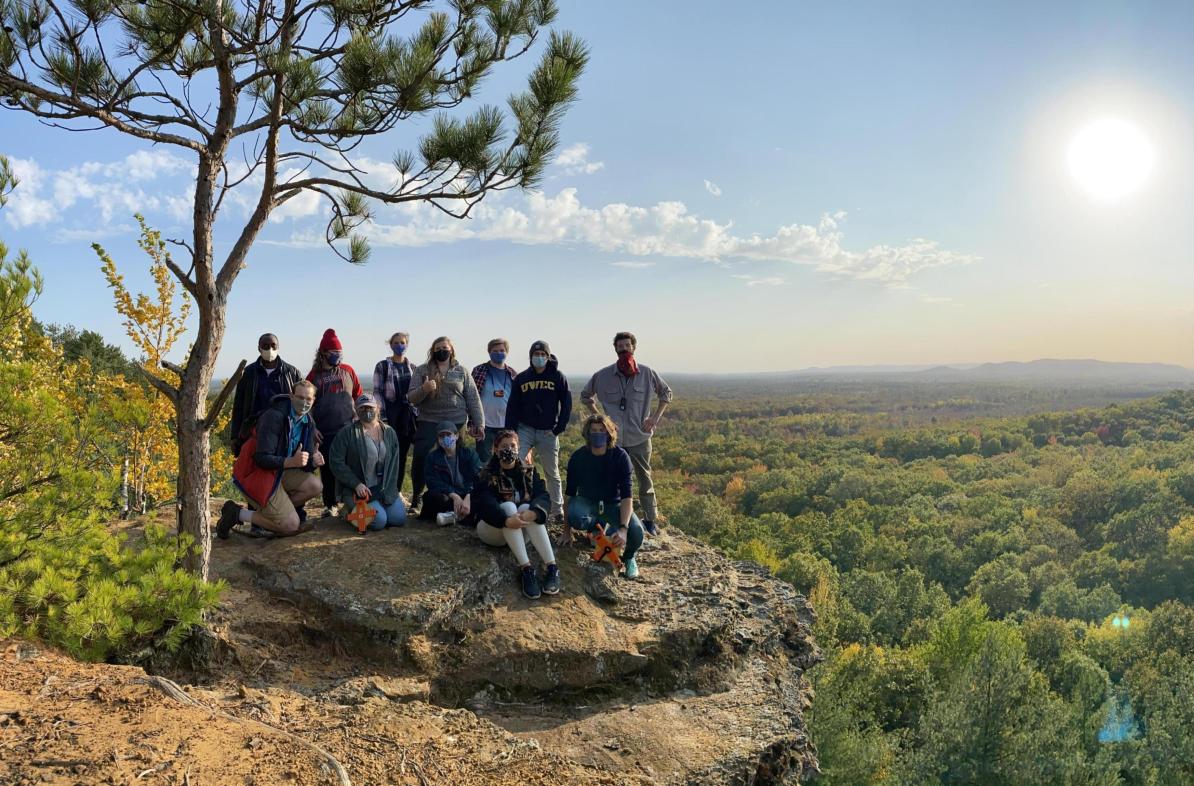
point(606, 550)
point(362, 515)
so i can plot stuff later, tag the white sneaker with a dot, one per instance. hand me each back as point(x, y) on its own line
point(444, 519)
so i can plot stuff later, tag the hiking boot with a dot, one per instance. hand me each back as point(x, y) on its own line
point(229, 518)
point(530, 583)
point(551, 579)
point(445, 519)
point(415, 503)
point(260, 532)
point(631, 568)
point(650, 528)
point(556, 518)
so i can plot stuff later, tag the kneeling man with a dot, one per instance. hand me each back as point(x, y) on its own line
point(276, 468)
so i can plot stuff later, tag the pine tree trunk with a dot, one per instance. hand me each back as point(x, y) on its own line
point(194, 448)
point(194, 481)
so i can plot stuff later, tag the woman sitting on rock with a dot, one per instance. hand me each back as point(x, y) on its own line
point(365, 460)
point(597, 492)
point(511, 505)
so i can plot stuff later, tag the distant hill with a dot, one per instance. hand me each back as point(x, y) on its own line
point(1044, 371)
point(1053, 370)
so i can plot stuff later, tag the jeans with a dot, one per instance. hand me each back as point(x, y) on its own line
point(640, 457)
point(547, 448)
point(485, 445)
point(392, 516)
point(583, 515)
point(424, 443)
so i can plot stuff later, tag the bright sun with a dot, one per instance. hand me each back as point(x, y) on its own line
point(1110, 158)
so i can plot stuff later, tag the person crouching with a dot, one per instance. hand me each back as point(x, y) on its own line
point(276, 468)
point(598, 493)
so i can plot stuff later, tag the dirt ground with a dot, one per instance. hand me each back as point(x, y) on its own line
point(281, 683)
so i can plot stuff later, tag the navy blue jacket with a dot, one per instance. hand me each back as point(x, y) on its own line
point(540, 400)
point(439, 477)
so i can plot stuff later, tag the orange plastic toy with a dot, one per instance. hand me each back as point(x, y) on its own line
point(362, 515)
point(606, 550)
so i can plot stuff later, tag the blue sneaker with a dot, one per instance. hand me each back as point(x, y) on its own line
point(631, 568)
point(530, 583)
point(551, 580)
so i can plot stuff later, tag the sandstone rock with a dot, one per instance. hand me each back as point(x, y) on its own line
point(691, 674)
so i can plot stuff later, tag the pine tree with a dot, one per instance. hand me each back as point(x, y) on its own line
point(295, 86)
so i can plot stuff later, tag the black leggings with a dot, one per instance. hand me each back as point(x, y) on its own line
point(435, 503)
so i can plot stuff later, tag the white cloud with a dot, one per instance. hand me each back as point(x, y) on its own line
point(764, 281)
point(574, 159)
point(632, 265)
point(663, 229)
point(42, 196)
point(935, 299)
point(713, 188)
point(25, 206)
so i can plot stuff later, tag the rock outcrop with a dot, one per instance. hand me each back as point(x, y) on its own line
point(692, 674)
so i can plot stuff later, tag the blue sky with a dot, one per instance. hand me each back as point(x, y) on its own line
point(748, 186)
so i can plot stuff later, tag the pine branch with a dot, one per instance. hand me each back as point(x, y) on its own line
point(164, 387)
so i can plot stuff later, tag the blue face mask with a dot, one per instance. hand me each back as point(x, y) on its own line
point(398, 349)
point(538, 361)
point(448, 441)
point(333, 358)
point(498, 357)
point(598, 439)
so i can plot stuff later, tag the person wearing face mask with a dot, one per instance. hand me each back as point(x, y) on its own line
point(511, 504)
point(539, 409)
point(364, 459)
point(598, 491)
point(276, 468)
point(264, 378)
point(391, 383)
point(451, 471)
point(494, 381)
point(624, 392)
point(336, 388)
point(443, 390)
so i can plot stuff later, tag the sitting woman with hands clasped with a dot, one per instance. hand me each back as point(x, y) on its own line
point(511, 504)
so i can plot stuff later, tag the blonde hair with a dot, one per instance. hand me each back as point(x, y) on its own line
point(304, 383)
point(604, 420)
point(433, 371)
point(495, 342)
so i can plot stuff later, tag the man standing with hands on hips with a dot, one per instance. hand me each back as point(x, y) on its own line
point(624, 393)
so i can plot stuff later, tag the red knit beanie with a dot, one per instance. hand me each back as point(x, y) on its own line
point(330, 342)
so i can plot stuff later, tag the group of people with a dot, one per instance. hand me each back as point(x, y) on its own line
point(296, 438)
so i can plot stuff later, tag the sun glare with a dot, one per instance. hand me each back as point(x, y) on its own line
point(1110, 159)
